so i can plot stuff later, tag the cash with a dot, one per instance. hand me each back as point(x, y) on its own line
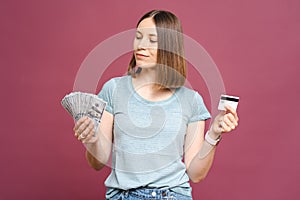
point(80, 104)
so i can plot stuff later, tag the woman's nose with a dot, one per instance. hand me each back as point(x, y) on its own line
point(143, 43)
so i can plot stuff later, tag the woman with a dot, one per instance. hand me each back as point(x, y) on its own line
point(153, 125)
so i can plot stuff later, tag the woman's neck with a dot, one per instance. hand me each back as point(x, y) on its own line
point(146, 79)
point(146, 86)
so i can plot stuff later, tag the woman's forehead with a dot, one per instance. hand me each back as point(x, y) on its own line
point(147, 26)
point(147, 31)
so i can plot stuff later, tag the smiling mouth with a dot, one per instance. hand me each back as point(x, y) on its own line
point(141, 55)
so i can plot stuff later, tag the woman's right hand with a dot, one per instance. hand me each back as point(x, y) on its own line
point(84, 130)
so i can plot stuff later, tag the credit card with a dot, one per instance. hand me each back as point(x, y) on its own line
point(228, 100)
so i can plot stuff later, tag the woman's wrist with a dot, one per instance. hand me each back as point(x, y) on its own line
point(212, 137)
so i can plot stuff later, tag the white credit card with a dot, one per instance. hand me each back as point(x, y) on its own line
point(228, 100)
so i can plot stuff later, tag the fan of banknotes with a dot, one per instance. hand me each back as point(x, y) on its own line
point(79, 104)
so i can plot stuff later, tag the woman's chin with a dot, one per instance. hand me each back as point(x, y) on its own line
point(146, 65)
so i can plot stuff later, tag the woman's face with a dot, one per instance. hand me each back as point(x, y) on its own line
point(145, 44)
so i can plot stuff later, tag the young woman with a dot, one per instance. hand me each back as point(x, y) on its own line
point(153, 125)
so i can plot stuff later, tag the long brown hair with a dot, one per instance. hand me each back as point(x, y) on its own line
point(171, 72)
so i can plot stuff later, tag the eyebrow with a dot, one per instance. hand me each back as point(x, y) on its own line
point(151, 34)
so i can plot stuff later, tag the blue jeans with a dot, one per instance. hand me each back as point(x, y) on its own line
point(149, 194)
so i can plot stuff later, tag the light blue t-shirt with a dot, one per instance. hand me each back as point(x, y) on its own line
point(149, 137)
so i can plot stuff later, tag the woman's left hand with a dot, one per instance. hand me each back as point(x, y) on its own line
point(225, 121)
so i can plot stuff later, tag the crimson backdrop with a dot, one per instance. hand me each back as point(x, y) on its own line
point(255, 44)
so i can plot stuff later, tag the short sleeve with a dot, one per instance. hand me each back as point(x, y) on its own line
point(106, 93)
point(199, 110)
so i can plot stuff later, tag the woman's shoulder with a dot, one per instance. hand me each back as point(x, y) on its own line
point(110, 85)
point(187, 91)
point(112, 82)
point(117, 78)
point(189, 94)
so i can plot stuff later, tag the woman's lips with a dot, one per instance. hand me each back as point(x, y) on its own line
point(139, 55)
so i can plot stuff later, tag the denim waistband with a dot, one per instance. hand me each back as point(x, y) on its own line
point(149, 193)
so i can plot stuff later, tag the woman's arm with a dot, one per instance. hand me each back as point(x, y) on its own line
point(199, 154)
point(97, 148)
point(195, 146)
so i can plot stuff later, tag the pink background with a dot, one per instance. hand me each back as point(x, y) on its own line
point(255, 44)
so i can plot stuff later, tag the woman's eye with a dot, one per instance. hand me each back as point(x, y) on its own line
point(153, 40)
point(138, 36)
